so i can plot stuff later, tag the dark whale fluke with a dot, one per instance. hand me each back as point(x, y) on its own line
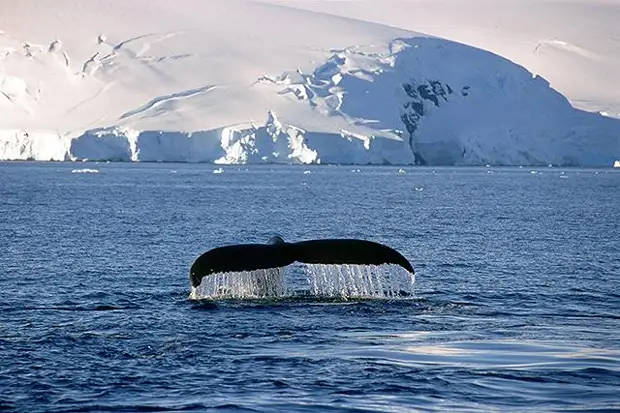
point(278, 253)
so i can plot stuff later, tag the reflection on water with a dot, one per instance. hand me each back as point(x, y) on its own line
point(431, 349)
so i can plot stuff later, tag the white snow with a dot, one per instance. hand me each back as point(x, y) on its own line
point(242, 81)
point(575, 44)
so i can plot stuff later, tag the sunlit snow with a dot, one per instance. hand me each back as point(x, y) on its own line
point(359, 82)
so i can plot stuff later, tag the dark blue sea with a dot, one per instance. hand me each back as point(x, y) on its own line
point(516, 304)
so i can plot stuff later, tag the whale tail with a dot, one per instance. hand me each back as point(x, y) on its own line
point(278, 253)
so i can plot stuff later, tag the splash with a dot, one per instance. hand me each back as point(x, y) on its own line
point(344, 281)
point(359, 281)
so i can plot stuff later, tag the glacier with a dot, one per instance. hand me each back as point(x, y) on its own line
point(149, 85)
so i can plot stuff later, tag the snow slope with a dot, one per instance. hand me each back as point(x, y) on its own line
point(241, 81)
point(575, 44)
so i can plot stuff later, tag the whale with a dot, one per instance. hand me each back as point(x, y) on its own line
point(278, 253)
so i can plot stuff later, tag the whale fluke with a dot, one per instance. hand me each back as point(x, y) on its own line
point(278, 253)
point(347, 251)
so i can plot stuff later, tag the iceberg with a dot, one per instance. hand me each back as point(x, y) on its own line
point(148, 81)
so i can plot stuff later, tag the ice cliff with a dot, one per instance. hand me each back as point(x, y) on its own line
point(144, 81)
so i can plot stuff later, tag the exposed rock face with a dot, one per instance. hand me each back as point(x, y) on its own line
point(421, 94)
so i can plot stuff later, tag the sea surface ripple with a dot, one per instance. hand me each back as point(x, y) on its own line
point(516, 304)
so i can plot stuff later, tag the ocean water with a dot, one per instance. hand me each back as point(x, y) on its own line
point(515, 306)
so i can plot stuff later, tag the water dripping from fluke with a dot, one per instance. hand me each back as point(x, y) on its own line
point(267, 283)
point(360, 281)
point(322, 281)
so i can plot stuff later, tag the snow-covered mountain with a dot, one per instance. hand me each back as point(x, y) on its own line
point(241, 81)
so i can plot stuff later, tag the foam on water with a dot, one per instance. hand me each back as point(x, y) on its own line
point(323, 280)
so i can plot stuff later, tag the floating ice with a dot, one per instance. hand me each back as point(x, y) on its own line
point(85, 171)
point(218, 171)
point(617, 164)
